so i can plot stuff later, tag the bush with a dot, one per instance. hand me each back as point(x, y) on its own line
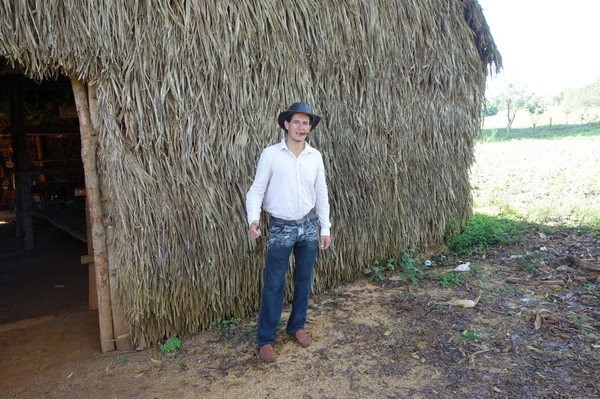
point(491, 110)
point(480, 232)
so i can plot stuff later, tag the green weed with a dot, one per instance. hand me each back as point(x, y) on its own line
point(377, 271)
point(471, 335)
point(171, 345)
point(224, 327)
point(249, 330)
point(590, 287)
point(582, 323)
point(411, 269)
point(480, 232)
point(450, 278)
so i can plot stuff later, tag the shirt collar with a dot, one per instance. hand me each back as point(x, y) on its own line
point(307, 147)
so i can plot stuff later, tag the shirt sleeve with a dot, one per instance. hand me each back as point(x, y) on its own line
point(256, 193)
point(322, 200)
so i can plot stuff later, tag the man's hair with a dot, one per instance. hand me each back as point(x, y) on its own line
point(289, 118)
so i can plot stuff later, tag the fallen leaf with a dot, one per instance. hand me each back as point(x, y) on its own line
point(534, 349)
point(538, 321)
point(387, 332)
point(155, 361)
point(465, 303)
point(70, 375)
point(140, 373)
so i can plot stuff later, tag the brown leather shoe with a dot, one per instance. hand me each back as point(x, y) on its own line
point(267, 353)
point(301, 338)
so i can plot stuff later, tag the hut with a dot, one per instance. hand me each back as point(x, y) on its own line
point(175, 100)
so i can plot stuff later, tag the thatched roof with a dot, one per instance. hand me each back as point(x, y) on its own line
point(188, 93)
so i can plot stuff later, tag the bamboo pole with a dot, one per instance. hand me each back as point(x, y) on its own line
point(92, 289)
point(120, 325)
point(88, 157)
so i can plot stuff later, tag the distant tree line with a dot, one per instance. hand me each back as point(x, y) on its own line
point(516, 98)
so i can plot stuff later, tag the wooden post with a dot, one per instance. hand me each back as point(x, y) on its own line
point(88, 157)
point(88, 260)
point(120, 325)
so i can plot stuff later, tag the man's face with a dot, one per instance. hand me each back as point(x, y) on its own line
point(298, 127)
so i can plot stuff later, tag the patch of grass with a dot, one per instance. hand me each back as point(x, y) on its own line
point(249, 330)
point(171, 345)
point(450, 278)
point(527, 264)
point(224, 327)
point(470, 335)
point(549, 180)
point(480, 232)
point(590, 287)
point(544, 132)
point(582, 323)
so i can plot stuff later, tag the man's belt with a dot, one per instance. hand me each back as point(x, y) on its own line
point(309, 216)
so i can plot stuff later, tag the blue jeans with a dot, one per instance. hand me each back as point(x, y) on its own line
point(284, 238)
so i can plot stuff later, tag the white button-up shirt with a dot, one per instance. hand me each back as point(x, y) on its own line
point(288, 187)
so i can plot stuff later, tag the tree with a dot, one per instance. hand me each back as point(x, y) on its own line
point(512, 100)
point(536, 106)
point(582, 99)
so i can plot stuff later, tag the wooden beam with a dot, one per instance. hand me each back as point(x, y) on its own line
point(120, 325)
point(88, 156)
point(87, 259)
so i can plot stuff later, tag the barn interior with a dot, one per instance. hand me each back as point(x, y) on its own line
point(42, 200)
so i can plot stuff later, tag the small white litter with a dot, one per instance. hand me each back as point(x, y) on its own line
point(463, 267)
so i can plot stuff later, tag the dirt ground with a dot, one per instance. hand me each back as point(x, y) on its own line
point(533, 333)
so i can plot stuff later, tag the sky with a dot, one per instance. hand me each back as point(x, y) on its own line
point(547, 46)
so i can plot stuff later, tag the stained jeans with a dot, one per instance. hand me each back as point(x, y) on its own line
point(284, 238)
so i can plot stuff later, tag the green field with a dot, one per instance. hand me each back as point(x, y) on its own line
point(549, 176)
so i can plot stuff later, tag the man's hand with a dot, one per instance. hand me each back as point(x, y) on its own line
point(254, 230)
point(325, 242)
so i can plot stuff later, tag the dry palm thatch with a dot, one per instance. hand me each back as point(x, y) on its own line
point(187, 96)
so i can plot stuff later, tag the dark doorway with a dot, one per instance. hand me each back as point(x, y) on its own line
point(42, 206)
point(41, 171)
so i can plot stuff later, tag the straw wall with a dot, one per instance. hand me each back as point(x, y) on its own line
point(188, 93)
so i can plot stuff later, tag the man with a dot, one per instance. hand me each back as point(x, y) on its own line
point(290, 186)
